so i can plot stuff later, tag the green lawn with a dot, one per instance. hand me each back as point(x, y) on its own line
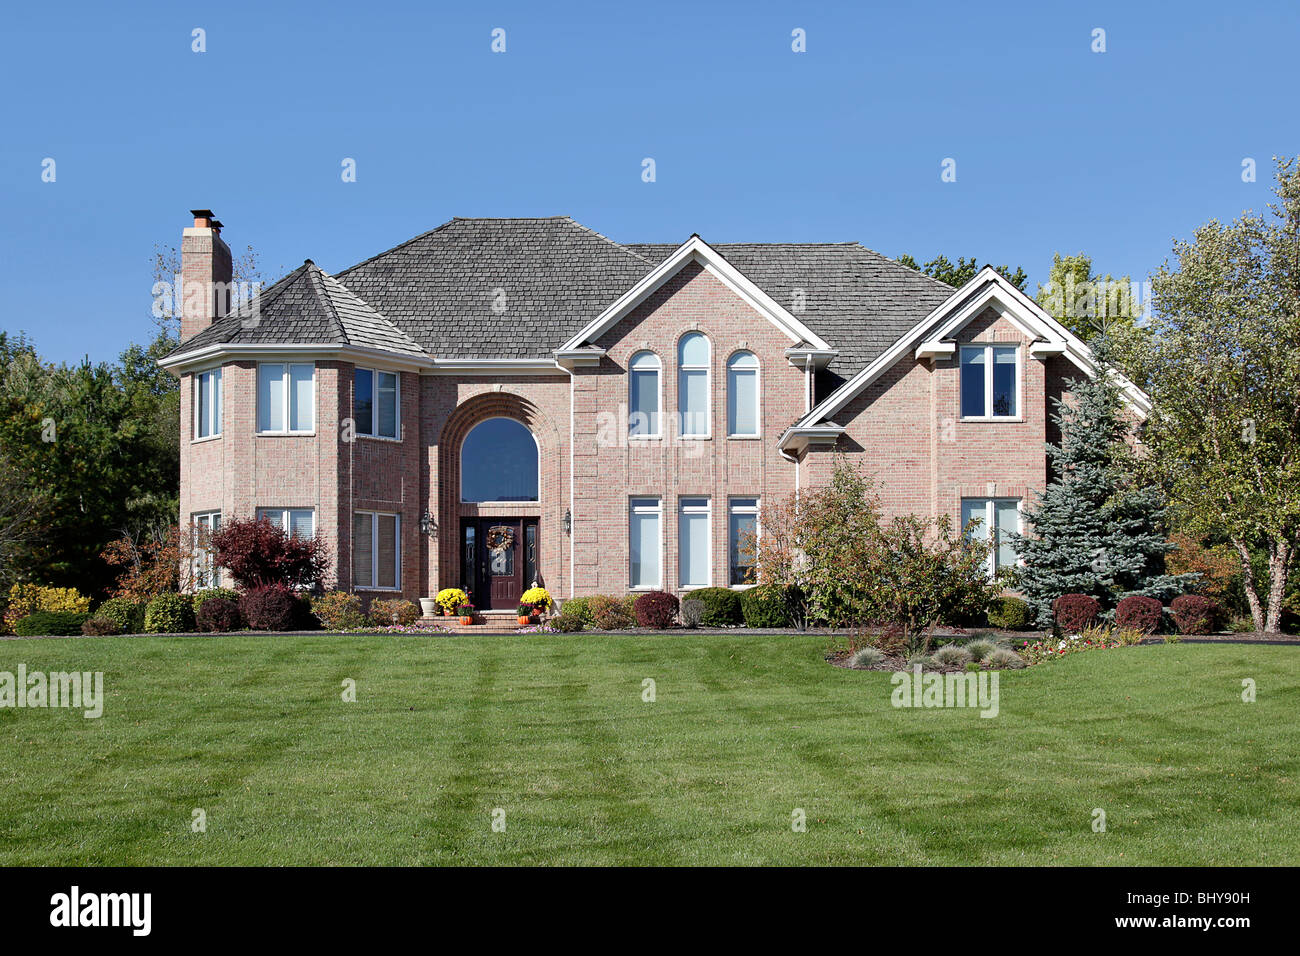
point(553, 730)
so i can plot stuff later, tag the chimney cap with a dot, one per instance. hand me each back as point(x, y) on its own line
point(205, 219)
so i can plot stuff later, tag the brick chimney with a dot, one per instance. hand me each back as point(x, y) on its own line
point(206, 272)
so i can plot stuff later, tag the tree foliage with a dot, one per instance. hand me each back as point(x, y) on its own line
point(957, 274)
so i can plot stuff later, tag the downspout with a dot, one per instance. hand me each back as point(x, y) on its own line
point(572, 516)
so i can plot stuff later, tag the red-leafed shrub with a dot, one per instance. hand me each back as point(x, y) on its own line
point(1074, 612)
point(257, 554)
point(270, 608)
point(219, 615)
point(1142, 613)
point(656, 609)
point(1195, 614)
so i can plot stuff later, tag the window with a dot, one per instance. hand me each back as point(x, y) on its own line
point(644, 545)
point(376, 554)
point(207, 403)
point(693, 384)
point(742, 531)
point(374, 403)
point(693, 549)
point(999, 516)
point(498, 462)
point(990, 381)
point(205, 568)
point(299, 522)
point(643, 395)
point(286, 398)
point(742, 394)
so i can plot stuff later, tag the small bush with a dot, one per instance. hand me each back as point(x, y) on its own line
point(126, 615)
point(1241, 625)
point(979, 648)
point(765, 606)
point(219, 615)
point(539, 598)
point(567, 623)
point(611, 613)
point(657, 609)
point(1195, 614)
point(270, 608)
point(1010, 613)
point(1173, 638)
point(1142, 613)
point(579, 607)
point(866, 657)
point(953, 655)
point(339, 611)
point(209, 593)
point(448, 599)
point(721, 607)
point(99, 627)
point(25, 599)
point(692, 612)
point(169, 614)
point(923, 659)
point(386, 613)
point(1004, 658)
point(42, 623)
point(1074, 612)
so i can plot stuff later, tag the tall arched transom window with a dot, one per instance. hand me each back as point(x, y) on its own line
point(693, 384)
point(498, 462)
point(643, 395)
point(742, 394)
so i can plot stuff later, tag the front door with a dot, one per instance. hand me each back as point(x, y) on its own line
point(500, 560)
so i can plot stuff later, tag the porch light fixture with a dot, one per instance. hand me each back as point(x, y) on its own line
point(427, 524)
point(568, 521)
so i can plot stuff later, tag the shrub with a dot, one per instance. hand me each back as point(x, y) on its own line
point(766, 606)
point(270, 608)
point(99, 627)
point(1004, 657)
point(396, 611)
point(169, 614)
point(41, 623)
point(567, 623)
point(257, 553)
point(1074, 612)
point(953, 655)
point(1195, 614)
point(126, 614)
point(579, 607)
point(339, 611)
point(657, 609)
point(1143, 613)
point(692, 612)
point(1241, 625)
point(979, 648)
point(207, 594)
point(866, 657)
point(539, 598)
point(721, 607)
point(25, 599)
point(219, 615)
point(1010, 613)
point(450, 598)
point(611, 613)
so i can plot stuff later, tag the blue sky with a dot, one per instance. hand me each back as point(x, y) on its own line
point(1057, 147)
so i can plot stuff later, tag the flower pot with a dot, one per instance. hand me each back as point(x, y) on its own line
point(446, 613)
point(524, 620)
point(466, 619)
point(429, 607)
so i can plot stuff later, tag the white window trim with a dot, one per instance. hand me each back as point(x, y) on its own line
point(991, 528)
point(732, 509)
point(374, 551)
point(988, 415)
point(758, 396)
point(287, 382)
point(199, 557)
point(460, 459)
point(285, 522)
point(218, 412)
point(658, 433)
point(658, 511)
point(374, 403)
point(707, 368)
point(707, 511)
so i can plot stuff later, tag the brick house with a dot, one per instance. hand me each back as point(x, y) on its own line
point(499, 402)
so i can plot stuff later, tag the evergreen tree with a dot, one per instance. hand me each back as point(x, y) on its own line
point(1093, 530)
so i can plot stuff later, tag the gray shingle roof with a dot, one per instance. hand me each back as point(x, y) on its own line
point(519, 288)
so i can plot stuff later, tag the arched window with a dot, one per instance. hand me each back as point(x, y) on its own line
point(498, 462)
point(643, 395)
point(693, 384)
point(742, 394)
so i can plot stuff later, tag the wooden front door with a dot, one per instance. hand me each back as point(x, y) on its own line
point(499, 558)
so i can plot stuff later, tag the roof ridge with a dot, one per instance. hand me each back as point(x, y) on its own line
point(345, 289)
point(314, 274)
point(619, 245)
point(900, 265)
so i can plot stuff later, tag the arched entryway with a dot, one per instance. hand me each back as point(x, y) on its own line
point(499, 465)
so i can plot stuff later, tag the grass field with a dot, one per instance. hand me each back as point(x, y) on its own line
point(553, 730)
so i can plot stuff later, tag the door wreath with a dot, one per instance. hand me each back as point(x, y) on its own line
point(500, 538)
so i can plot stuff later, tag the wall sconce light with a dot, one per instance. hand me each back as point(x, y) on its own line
point(428, 525)
point(568, 521)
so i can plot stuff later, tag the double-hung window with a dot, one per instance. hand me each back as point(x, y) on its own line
point(286, 398)
point(644, 543)
point(207, 403)
point(298, 522)
point(375, 403)
point(376, 551)
point(742, 538)
point(205, 569)
point(694, 554)
point(693, 385)
point(998, 517)
point(990, 381)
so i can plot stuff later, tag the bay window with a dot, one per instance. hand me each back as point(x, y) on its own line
point(376, 551)
point(375, 403)
point(286, 398)
point(207, 403)
point(297, 522)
